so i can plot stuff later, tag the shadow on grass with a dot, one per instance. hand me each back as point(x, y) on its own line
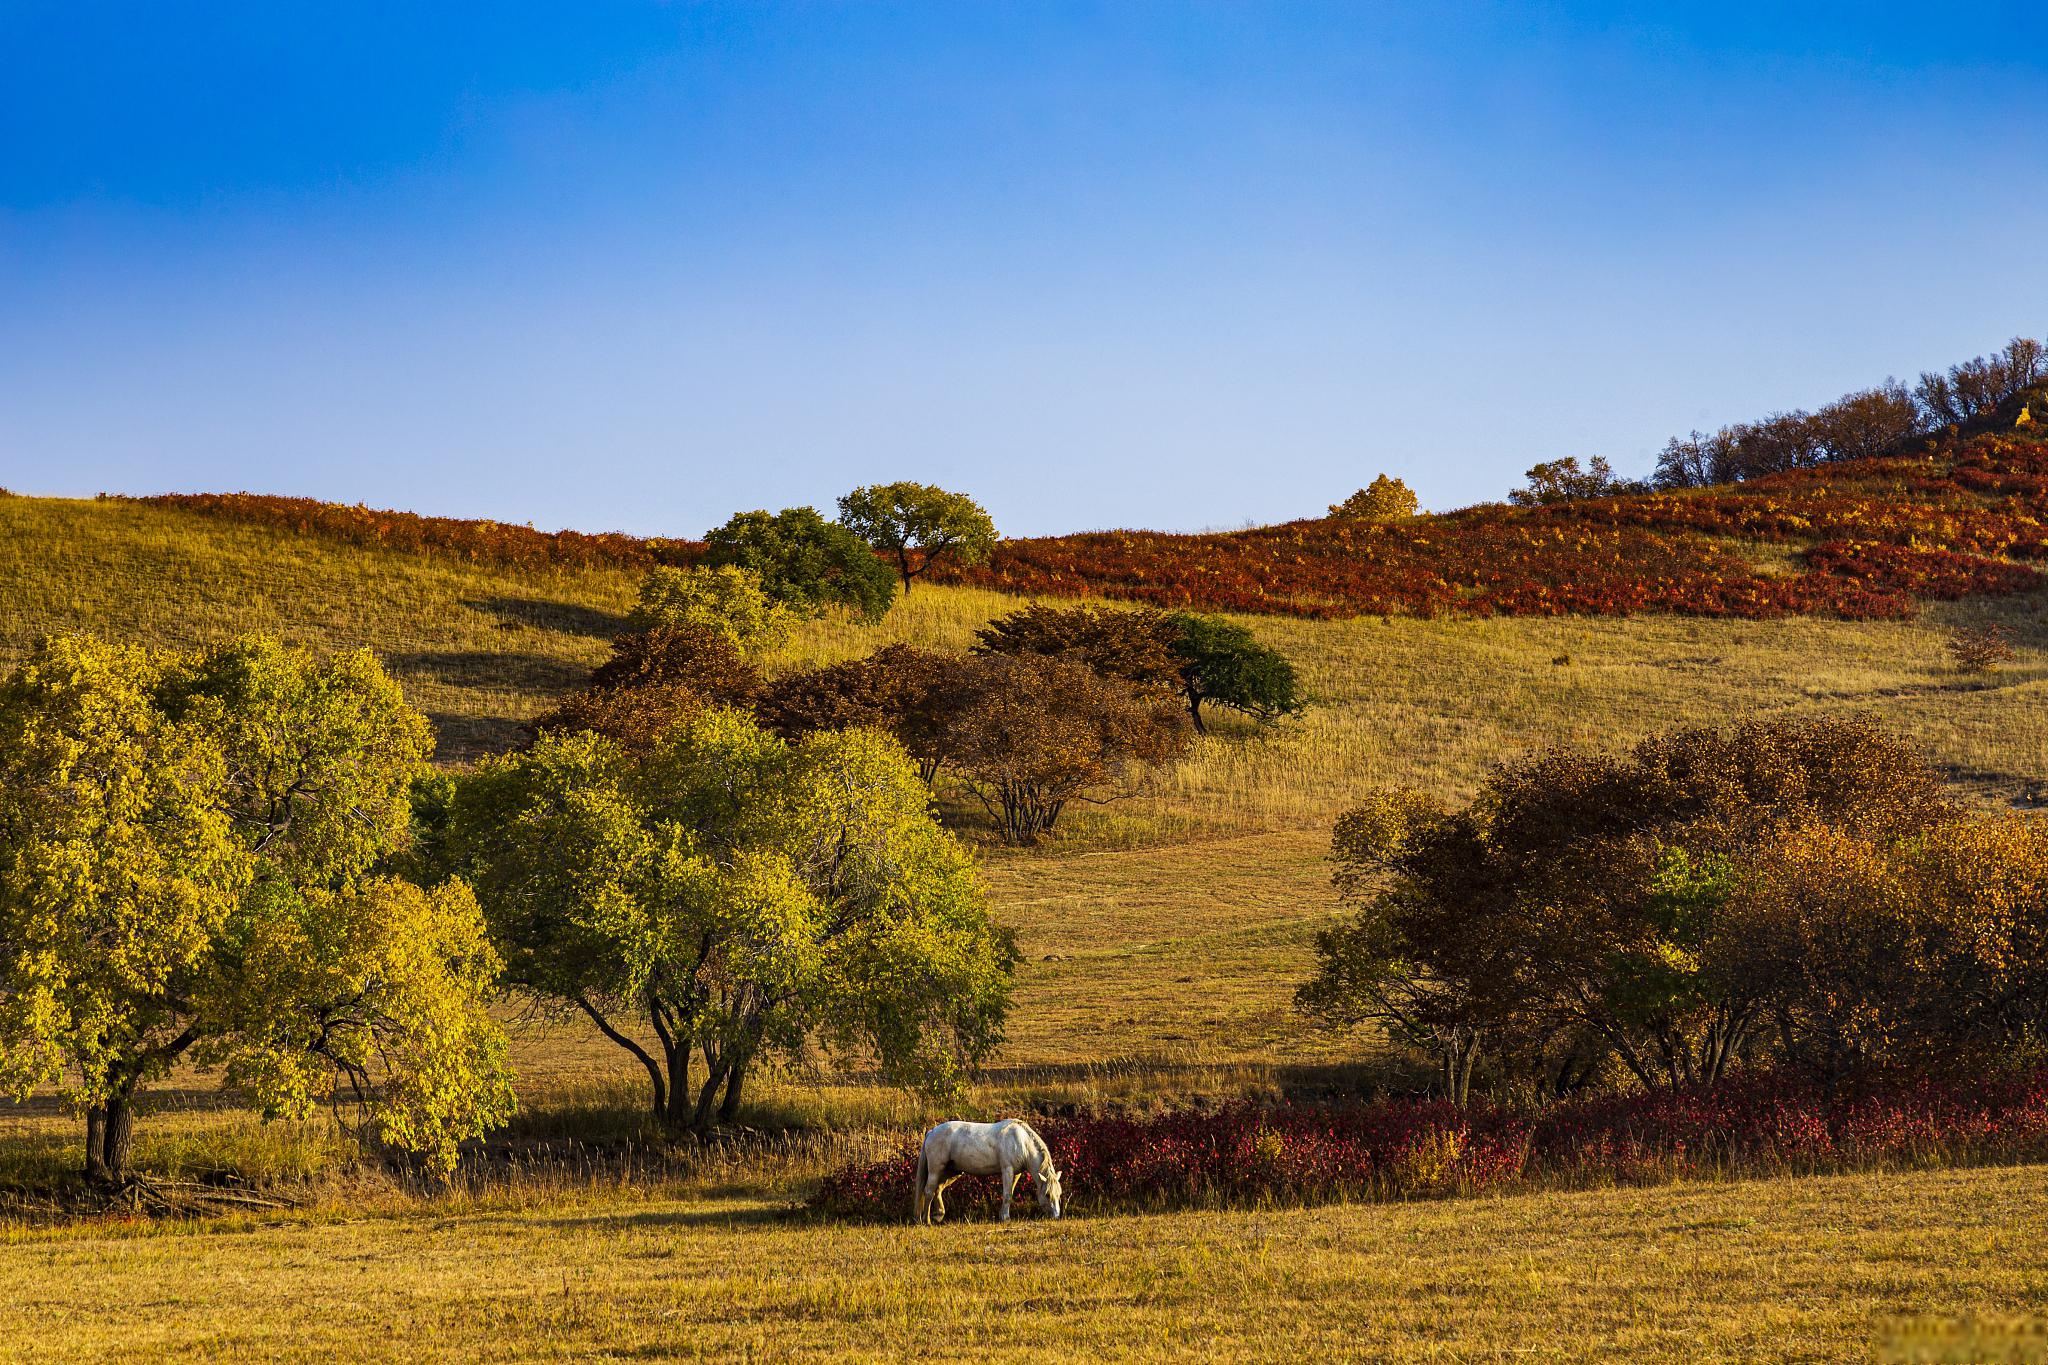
point(508, 671)
point(534, 613)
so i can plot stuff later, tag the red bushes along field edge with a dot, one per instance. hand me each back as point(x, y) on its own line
point(1246, 1154)
point(1873, 537)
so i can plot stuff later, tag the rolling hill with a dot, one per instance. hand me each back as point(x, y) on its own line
point(1163, 936)
point(1127, 959)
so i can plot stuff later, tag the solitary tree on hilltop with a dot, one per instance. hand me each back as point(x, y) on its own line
point(1384, 499)
point(919, 525)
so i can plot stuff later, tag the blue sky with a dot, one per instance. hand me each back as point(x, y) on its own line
point(637, 266)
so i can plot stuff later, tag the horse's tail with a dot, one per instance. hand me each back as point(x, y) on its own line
point(917, 1204)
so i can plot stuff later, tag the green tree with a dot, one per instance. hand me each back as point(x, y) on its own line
point(725, 598)
point(804, 561)
point(187, 855)
point(1224, 663)
point(919, 525)
point(732, 893)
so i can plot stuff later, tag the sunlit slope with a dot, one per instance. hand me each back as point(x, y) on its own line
point(478, 649)
point(1400, 700)
point(1137, 944)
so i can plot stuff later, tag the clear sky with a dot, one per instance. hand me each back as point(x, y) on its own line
point(637, 266)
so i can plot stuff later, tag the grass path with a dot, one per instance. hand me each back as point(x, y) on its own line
point(1948, 1266)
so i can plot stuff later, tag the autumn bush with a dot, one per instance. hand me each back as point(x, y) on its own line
point(918, 695)
point(1250, 1154)
point(725, 598)
point(1034, 733)
point(653, 679)
point(1980, 649)
point(1131, 645)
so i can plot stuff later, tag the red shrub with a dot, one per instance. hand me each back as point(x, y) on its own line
point(1297, 1153)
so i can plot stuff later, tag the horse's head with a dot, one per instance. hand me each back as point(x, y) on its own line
point(1048, 1189)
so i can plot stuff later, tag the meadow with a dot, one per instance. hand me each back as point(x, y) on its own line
point(1925, 1266)
point(1163, 937)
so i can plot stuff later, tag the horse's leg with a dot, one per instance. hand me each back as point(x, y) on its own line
point(1009, 1179)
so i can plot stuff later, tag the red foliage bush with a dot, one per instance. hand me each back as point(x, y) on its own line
point(1877, 536)
point(1304, 1153)
point(482, 542)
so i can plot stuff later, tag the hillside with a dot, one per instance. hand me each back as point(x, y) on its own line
point(1125, 958)
point(1856, 539)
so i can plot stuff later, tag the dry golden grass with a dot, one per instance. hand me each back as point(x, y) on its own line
point(477, 649)
point(1163, 937)
point(1948, 1266)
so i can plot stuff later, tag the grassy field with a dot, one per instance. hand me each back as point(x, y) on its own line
point(1163, 937)
point(1138, 952)
point(1923, 1266)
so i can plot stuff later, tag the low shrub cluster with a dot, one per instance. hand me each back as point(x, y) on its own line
point(1246, 1154)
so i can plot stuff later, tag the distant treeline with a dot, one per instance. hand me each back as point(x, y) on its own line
point(479, 541)
point(1861, 425)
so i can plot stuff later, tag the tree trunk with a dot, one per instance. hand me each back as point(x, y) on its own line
point(707, 1096)
point(1195, 712)
point(675, 1113)
point(1459, 1054)
point(109, 1140)
point(729, 1108)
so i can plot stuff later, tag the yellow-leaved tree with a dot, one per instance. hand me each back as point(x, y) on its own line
point(724, 598)
point(189, 850)
point(725, 893)
point(1384, 499)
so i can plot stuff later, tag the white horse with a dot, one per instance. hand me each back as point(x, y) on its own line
point(1006, 1149)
